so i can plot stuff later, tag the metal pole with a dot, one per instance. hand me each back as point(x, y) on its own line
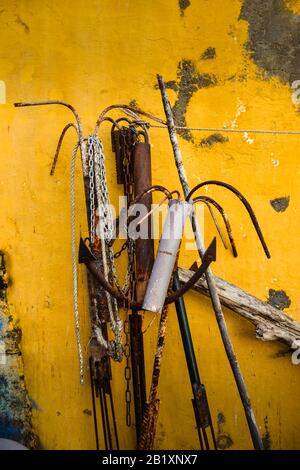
point(192, 366)
point(253, 428)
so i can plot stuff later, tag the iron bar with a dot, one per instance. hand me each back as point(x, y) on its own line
point(253, 428)
point(192, 365)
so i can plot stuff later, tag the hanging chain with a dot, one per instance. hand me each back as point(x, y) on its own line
point(92, 188)
point(130, 276)
point(123, 248)
point(127, 370)
point(104, 231)
point(104, 207)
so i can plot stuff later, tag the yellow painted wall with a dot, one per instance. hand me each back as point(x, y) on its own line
point(94, 53)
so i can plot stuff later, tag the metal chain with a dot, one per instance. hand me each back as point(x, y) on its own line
point(128, 140)
point(127, 370)
point(92, 188)
point(104, 230)
point(123, 248)
point(104, 207)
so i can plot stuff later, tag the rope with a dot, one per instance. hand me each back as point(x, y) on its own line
point(74, 263)
point(221, 129)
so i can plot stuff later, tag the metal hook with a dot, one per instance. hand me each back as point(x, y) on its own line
point(208, 257)
point(152, 189)
point(134, 113)
point(243, 200)
point(60, 141)
point(168, 194)
point(208, 200)
point(62, 103)
point(143, 133)
point(86, 257)
point(133, 124)
point(113, 121)
point(143, 125)
point(119, 120)
point(67, 105)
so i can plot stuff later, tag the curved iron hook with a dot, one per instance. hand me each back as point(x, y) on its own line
point(135, 111)
point(208, 257)
point(71, 108)
point(209, 200)
point(113, 121)
point(143, 126)
point(135, 124)
point(243, 200)
point(87, 257)
point(144, 134)
point(119, 120)
point(168, 194)
point(60, 141)
point(215, 221)
point(154, 188)
point(62, 103)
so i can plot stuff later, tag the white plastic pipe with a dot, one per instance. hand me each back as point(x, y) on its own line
point(166, 255)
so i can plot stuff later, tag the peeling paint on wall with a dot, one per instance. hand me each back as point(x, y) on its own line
point(213, 139)
point(189, 80)
point(15, 404)
point(183, 5)
point(266, 437)
point(224, 440)
point(274, 37)
point(280, 204)
point(209, 53)
point(279, 299)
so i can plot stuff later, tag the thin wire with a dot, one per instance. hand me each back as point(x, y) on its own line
point(201, 129)
point(74, 263)
point(221, 129)
point(150, 323)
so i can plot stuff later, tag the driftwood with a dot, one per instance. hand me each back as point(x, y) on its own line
point(271, 324)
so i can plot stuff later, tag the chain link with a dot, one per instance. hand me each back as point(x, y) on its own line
point(97, 171)
point(91, 188)
point(127, 370)
point(128, 142)
point(123, 248)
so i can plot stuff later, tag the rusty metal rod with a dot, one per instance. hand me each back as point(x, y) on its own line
point(253, 428)
point(60, 141)
point(86, 257)
point(215, 221)
point(135, 111)
point(243, 200)
point(144, 246)
point(94, 403)
point(209, 200)
point(193, 370)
